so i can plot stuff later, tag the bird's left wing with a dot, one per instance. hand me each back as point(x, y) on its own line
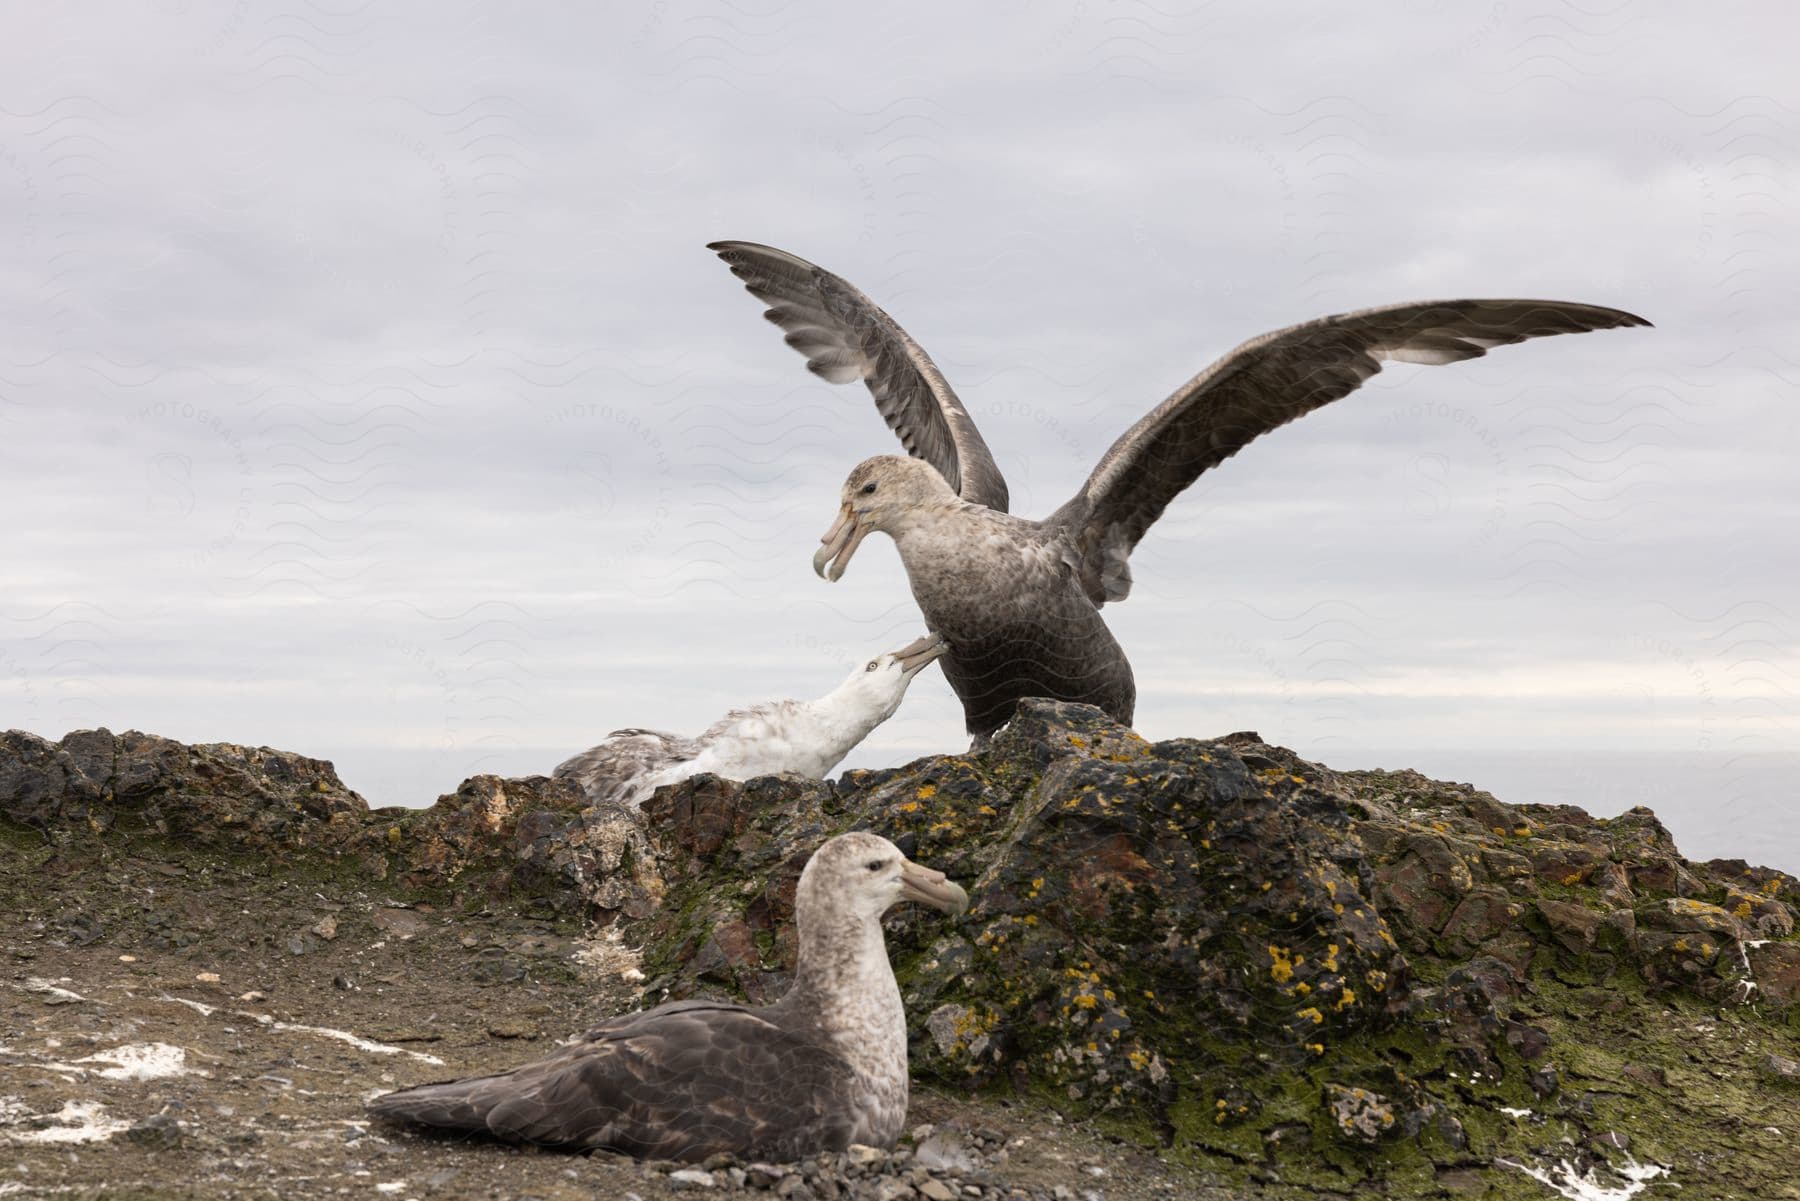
point(684, 1082)
point(1266, 383)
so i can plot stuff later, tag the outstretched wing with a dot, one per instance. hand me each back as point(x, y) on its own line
point(679, 1082)
point(845, 336)
point(1268, 382)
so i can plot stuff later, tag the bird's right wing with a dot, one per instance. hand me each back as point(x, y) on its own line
point(845, 336)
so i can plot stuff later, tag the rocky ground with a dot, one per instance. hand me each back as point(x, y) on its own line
point(1202, 969)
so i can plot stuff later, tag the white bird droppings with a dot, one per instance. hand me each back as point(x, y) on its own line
point(137, 1061)
point(344, 1036)
point(75, 1122)
point(49, 989)
point(1585, 1186)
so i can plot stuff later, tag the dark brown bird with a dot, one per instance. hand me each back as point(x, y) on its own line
point(820, 1069)
point(1018, 600)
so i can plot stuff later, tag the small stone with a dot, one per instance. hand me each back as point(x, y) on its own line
point(403, 924)
point(207, 977)
point(738, 1177)
point(1780, 1067)
point(763, 1175)
point(922, 1131)
point(255, 994)
point(158, 1132)
point(1614, 1139)
point(326, 927)
point(694, 1178)
point(793, 1188)
point(894, 1189)
point(861, 1154)
point(510, 1028)
point(128, 959)
point(937, 1190)
point(343, 983)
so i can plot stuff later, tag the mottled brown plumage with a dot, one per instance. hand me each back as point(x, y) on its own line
point(1019, 600)
point(820, 1069)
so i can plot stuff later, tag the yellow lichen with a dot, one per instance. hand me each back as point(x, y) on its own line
point(1318, 1018)
point(927, 791)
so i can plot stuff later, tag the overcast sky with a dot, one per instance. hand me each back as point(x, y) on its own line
point(366, 389)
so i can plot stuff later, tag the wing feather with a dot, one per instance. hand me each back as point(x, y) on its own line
point(611, 771)
point(1266, 383)
point(682, 1081)
point(845, 337)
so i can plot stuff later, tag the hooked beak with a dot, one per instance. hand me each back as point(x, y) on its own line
point(914, 657)
point(930, 887)
point(841, 541)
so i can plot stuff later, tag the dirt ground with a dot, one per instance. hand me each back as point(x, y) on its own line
point(208, 1030)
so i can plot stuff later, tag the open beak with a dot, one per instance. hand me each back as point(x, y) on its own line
point(932, 888)
point(916, 656)
point(841, 541)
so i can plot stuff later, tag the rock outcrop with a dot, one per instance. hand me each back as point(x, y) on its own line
point(1288, 974)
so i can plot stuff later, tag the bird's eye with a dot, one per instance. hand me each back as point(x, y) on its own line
point(873, 664)
point(875, 865)
point(867, 488)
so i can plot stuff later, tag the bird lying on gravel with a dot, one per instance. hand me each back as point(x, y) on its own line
point(820, 1069)
point(807, 738)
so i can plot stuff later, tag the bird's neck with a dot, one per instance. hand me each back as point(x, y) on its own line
point(844, 718)
point(845, 982)
point(844, 993)
point(925, 517)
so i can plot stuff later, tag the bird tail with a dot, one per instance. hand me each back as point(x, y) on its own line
point(459, 1105)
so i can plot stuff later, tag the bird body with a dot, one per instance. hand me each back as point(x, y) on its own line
point(1002, 593)
point(1018, 601)
point(823, 1067)
point(807, 738)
